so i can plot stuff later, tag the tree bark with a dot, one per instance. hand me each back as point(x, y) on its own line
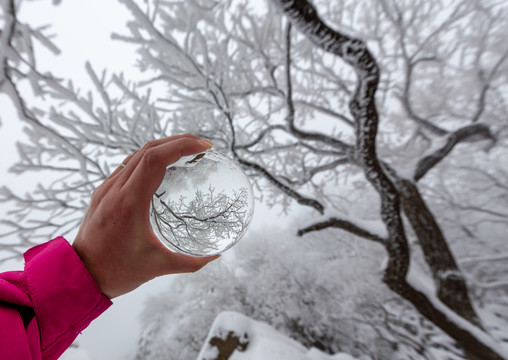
point(450, 283)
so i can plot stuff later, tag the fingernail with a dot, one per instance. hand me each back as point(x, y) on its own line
point(207, 143)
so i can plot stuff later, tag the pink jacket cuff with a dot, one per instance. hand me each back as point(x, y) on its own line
point(62, 293)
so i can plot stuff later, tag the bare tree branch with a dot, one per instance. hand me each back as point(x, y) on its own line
point(344, 225)
point(284, 188)
point(474, 132)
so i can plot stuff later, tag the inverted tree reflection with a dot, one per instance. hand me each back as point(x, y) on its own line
point(200, 225)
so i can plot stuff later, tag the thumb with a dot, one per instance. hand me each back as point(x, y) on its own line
point(180, 263)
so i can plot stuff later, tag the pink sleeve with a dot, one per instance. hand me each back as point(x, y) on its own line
point(45, 307)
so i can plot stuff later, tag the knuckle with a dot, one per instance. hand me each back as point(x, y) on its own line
point(150, 156)
point(98, 193)
point(128, 158)
point(150, 144)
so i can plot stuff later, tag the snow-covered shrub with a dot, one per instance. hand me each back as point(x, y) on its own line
point(312, 289)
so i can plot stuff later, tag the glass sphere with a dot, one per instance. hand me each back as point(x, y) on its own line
point(203, 206)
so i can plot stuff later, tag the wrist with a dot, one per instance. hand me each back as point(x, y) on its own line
point(91, 266)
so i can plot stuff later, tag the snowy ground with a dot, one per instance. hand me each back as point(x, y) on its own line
point(248, 339)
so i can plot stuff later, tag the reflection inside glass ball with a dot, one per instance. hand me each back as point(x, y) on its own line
point(203, 206)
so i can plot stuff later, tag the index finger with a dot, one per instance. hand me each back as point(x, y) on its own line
point(150, 171)
point(133, 160)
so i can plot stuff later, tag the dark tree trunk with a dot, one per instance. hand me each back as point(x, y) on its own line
point(450, 283)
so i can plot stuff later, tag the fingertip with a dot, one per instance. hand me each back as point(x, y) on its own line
point(209, 259)
point(202, 261)
point(205, 259)
point(206, 143)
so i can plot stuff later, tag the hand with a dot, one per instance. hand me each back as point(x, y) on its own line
point(115, 240)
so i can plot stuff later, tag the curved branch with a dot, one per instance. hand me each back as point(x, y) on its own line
point(306, 135)
point(326, 111)
point(261, 135)
point(472, 132)
point(344, 225)
point(409, 109)
point(363, 108)
point(486, 86)
point(310, 173)
point(302, 200)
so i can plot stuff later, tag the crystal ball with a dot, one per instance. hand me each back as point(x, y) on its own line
point(203, 206)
